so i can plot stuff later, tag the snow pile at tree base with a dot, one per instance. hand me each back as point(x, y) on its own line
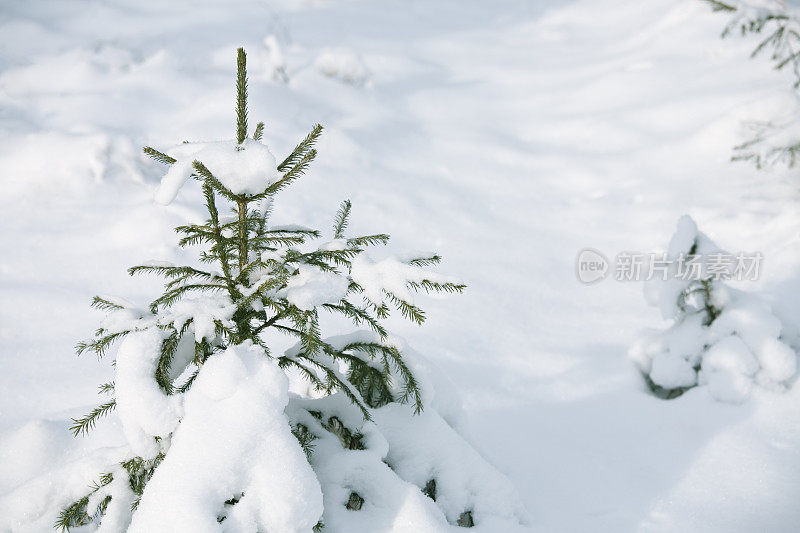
point(232, 463)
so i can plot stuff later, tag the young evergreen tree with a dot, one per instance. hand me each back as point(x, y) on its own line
point(775, 141)
point(725, 339)
point(215, 440)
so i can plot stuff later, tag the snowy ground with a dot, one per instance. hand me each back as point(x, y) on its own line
point(507, 135)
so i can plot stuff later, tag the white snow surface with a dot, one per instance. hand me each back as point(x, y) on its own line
point(505, 135)
point(50, 474)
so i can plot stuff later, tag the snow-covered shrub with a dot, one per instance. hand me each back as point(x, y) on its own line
point(775, 140)
point(343, 64)
point(216, 439)
point(725, 339)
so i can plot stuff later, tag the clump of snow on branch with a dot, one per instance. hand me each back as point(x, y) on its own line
point(721, 338)
point(144, 409)
point(117, 516)
point(391, 276)
point(205, 312)
point(243, 168)
point(311, 287)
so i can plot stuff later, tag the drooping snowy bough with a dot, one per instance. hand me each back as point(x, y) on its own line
point(722, 338)
point(229, 427)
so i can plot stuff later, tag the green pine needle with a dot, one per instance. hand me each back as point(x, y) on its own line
point(82, 426)
point(161, 157)
point(340, 222)
point(302, 149)
point(241, 95)
point(259, 131)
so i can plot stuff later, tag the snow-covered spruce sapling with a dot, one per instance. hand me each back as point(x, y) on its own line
point(215, 439)
point(725, 339)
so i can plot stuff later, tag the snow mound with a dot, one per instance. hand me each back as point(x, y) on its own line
point(344, 65)
point(48, 470)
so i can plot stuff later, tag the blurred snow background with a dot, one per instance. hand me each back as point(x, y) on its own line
point(507, 135)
